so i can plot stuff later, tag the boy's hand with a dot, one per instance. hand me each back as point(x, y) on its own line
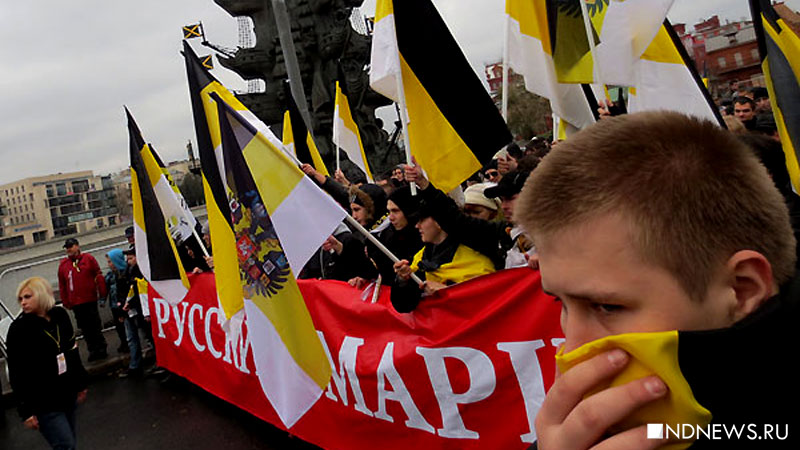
point(567, 420)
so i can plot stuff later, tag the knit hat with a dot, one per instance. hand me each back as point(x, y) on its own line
point(510, 184)
point(473, 195)
point(407, 203)
point(117, 258)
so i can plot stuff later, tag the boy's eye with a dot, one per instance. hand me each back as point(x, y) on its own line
point(606, 308)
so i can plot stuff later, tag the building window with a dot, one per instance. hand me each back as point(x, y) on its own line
point(13, 201)
point(721, 62)
point(23, 189)
point(80, 186)
point(33, 215)
point(738, 57)
point(40, 236)
point(112, 221)
point(31, 196)
point(27, 217)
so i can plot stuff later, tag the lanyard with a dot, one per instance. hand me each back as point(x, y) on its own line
point(57, 339)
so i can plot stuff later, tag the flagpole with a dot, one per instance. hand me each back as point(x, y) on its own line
point(506, 33)
point(337, 157)
point(401, 100)
point(556, 125)
point(587, 23)
point(200, 240)
point(404, 118)
point(351, 221)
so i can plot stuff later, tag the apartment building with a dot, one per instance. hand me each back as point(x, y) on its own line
point(53, 206)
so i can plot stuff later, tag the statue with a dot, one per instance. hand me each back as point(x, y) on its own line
point(324, 38)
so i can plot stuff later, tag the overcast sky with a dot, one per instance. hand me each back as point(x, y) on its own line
point(69, 67)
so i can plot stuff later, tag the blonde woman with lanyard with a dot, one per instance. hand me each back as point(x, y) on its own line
point(44, 365)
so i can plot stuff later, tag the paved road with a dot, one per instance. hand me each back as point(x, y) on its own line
point(135, 414)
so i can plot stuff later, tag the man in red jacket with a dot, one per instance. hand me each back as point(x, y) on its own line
point(80, 280)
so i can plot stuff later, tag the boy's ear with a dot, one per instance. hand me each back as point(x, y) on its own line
point(751, 280)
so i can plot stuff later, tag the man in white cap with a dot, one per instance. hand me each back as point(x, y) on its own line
point(477, 205)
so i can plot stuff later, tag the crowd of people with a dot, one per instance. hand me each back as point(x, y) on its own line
point(437, 238)
point(642, 222)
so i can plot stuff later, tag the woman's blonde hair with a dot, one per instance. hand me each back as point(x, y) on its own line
point(41, 290)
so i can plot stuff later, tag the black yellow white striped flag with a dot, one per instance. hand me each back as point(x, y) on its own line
point(454, 126)
point(665, 78)
point(192, 31)
point(180, 219)
point(156, 253)
point(345, 131)
point(294, 129)
point(779, 47)
point(531, 54)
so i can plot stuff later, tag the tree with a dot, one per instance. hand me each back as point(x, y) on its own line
point(192, 189)
point(528, 113)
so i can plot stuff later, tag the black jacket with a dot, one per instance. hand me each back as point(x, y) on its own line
point(351, 263)
point(33, 365)
point(131, 274)
point(403, 243)
point(744, 374)
point(483, 236)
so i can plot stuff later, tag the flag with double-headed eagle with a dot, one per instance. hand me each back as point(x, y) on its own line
point(278, 219)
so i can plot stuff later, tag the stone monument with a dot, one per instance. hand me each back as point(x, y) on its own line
point(324, 37)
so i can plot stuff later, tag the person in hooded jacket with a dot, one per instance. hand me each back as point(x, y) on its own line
point(401, 236)
point(116, 283)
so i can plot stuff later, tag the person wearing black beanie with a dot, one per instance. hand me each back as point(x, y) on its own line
point(400, 236)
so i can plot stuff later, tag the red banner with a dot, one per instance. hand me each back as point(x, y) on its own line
point(468, 369)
